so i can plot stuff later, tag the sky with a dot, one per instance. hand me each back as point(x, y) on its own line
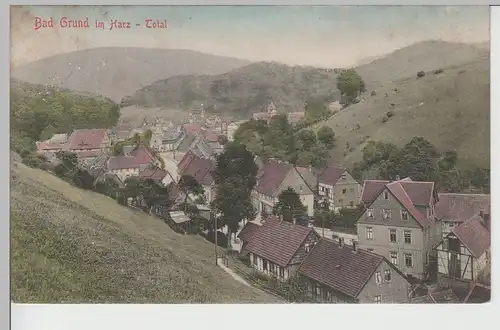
point(325, 36)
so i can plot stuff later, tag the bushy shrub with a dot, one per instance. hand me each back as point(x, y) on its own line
point(438, 71)
point(389, 114)
point(385, 119)
point(420, 74)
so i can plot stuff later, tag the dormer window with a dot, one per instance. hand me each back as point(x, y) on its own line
point(386, 194)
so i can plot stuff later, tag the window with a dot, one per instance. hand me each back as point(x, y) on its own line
point(328, 296)
point(451, 224)
point(264, 264)
point(377, 300)
point(343, 176)
point(369, 233)
point(369, 250)
point(392, 235)
point(408, 260)
point(254, 257)
point(340, 201)
point(387, 275)
point(404, 214)
point(271, 268)
point(351, 203)
point(394, 258)
point(369, 213)
point(386, 214)
point(426, 258)
point(407, 236)
point(344, 191)
point(322, 188)
point(378, 278)
point(318, 289)
point(386, 194)
point(281, 272)
point(351, 189)
point(307, 247)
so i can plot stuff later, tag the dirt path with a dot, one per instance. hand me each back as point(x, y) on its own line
point(231, 272)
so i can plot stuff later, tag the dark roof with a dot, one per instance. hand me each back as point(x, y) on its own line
point(186, 142)
point(140, 156)
point(309, 177)
point(340, 268)
point(330, 174)
point(87, 139)
point(199, 168)
point(248, 231)
point(478, 294)
point(278, 242)
point(420, 192)
point(371, 189)
point(193, 128)
point(154, 173)
point(460, 207)
point(273, 174)
point(439, 297)
point(397, 190)
point(474, 235)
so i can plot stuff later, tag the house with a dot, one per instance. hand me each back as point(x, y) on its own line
point(446, 296)
point(278, 248)
point(212, 141)
point(295, 117)
point(399, 224)
point(464, 254)
point(201, 148)
point(89, 140)
point(266, 116)
point(201, 170)
point(133, 163)
point(232, 128)
point(337, 186)
point(170, 140)
point(49, 148)
point(246, 234)
point(454, 209)
point(179, 221)
point(276, 176)
point(157, 174)
point(334, 272)
point(192, 128)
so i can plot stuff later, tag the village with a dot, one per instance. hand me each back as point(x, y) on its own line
point(410, 243)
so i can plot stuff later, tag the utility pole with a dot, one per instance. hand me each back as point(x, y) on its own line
point(215, 238)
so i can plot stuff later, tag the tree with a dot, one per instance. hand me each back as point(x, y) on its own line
point(326, 136)
point(306, 139)
point(315, 111)
point(83, 179)
point(350, 84)
point(289, 205)
point(223, 140)
point(235, 177)
point(147, 193)
point(190, 186)
point(47, 133)
point(68, 165)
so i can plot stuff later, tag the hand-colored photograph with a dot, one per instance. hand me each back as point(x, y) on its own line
point(250, 154)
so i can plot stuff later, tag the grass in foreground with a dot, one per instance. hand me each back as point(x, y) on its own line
point(74, 246)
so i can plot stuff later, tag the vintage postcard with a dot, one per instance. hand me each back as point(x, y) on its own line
point(250, 154)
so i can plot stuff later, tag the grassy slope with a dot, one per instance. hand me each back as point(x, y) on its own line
point(454, 114)
point(75, 246)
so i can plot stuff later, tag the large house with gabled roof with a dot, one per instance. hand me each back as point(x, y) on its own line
point(334, 272)
point(399, 223)
point(277, 248)
point(275, 176)
point(338, 187)
point(201, 170)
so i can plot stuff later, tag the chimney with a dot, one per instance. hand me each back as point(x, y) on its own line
point(487, 220)
point(294, 220)
point(341, 242)
point(354, 246)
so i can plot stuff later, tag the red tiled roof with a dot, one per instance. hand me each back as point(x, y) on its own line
point(140, 156)
point(185, 161)
point(474, 235)
point(330, 174)
point(211, 137)
point(460, 207)
point(153, 173)
point(49, 145)
point(340, 268)
point(278, 243)
point(371, 189)
point(271, 221)
point(273, 175)
point(199, 168)
point(193, 128)
point(87, 139)
point(248, 231)
point(420, 192)
point(261, 116)
point(399, 192)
